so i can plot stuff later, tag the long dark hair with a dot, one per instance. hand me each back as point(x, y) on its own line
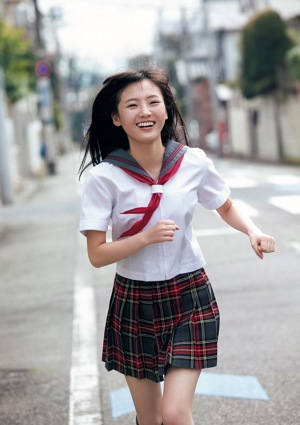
point(103, 136)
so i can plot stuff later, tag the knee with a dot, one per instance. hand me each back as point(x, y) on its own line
point(176, 415)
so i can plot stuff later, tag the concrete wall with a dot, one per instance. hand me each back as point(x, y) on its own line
point(27, 136)
point(260, 140)
point(238, 128)
point(291, 127)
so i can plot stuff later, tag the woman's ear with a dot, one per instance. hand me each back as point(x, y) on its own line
point(116, 120)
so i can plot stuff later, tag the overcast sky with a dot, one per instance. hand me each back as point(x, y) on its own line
point(108, 31)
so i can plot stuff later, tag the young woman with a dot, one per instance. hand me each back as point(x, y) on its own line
point(163, 319)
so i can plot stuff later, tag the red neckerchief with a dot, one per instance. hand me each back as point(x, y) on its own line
point(171, 162)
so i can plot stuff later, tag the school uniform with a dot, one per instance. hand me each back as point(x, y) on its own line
point(162, 310)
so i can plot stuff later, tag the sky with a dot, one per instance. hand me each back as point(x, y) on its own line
point(105, 32)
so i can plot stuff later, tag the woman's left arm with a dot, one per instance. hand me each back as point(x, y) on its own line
point(232, 215)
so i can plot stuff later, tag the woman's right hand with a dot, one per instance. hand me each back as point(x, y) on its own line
point(162, 231)
point(102, 253)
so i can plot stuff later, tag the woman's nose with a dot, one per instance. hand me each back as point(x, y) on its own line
point(144, 111)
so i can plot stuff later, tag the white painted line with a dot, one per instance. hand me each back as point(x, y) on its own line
point(283, 179)
point(246, 208)
point(291, 203)
point(243, 206)
point(215, 232)
point(84, 405)
point(240, 183)
point(296, 247)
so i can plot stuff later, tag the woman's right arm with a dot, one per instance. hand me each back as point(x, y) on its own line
point(102, 253)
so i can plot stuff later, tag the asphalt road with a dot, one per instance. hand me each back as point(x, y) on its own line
point(53, 306)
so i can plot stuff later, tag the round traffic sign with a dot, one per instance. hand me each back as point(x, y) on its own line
point(42, 68)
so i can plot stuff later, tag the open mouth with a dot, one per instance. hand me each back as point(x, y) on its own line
point(146, 124)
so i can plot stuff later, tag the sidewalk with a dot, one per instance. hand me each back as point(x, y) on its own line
point(37, 257)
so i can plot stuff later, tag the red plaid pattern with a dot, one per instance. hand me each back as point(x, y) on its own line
point(151, 325)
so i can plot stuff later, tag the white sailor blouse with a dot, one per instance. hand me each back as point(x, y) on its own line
point(114, 195)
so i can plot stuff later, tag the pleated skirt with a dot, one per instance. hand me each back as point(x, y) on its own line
point(152, 325)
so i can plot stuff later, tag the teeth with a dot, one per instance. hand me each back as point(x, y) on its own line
point(145, 124)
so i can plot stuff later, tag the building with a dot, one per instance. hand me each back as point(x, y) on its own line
point(209, 57)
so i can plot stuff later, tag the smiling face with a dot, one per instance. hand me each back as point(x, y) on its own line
point(141, 112)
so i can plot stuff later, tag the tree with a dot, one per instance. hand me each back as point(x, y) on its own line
point(265, 42)
point(293, 61)
point(17, 60)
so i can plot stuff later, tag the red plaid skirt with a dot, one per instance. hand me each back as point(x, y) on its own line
point(151, 325)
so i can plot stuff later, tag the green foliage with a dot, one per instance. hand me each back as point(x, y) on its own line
point(17, 60)
point(265, 42)
point(293, 61)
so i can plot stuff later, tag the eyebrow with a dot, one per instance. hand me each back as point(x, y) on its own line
point(134, 99)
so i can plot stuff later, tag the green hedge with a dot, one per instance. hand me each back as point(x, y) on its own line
point(17, 60)
point(264, 45)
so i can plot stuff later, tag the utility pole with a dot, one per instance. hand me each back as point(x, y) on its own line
point(43, 70)
point(6, 189)
point(212, 80)
point(39, 40)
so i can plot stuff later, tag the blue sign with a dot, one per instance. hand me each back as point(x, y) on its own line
point(42, 68)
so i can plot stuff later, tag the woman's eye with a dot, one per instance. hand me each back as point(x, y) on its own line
point(155, 102)
point(131, 105)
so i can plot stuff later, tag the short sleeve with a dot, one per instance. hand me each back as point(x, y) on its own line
point(213, 191)
point(96, 205)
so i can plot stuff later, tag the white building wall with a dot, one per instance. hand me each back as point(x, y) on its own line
point(238, 127)
point(290, 119)
point(231, 54)
point(267, 137)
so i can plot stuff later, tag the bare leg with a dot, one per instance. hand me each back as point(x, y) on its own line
point(147, 398)
point(179, 390)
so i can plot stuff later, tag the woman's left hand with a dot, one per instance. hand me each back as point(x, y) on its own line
point(262, 243)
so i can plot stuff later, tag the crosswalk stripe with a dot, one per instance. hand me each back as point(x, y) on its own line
point(289, 203)
point(283, 179)
point(296, 247)
point(241, 183)
point(246, 208)
point(215, 231)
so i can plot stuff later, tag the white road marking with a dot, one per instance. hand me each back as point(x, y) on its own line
point(290, 203)
point(243, 206)
point(209, 384)
point(246, 208)
point(215, 231)
point(84, 406)
point(284, 179)
point(240, 182)
point(296, 247)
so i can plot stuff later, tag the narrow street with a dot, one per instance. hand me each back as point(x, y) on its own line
point(36, 295)
point(53, 306)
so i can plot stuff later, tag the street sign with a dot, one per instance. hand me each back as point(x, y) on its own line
point(42, 68)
